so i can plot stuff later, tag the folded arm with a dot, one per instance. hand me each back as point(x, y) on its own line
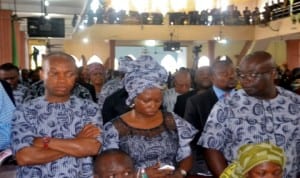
point(78, 147)
point(84, 144)
point(33, 155)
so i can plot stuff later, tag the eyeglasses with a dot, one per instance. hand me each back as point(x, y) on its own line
point(252, 76)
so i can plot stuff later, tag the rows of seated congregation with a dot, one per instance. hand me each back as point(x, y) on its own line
point(231, 16)
point(140, 120)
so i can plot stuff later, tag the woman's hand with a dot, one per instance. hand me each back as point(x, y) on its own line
point(176, 174)
point(154, 172)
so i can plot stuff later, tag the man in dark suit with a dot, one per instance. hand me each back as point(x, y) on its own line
point(199, 106)
point(202, 83)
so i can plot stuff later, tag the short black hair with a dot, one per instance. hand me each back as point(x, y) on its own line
point(8, 67)
point(59, 53)
point(220, 60)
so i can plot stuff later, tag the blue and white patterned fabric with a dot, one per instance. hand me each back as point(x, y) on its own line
point(141, 74)
point(109, 88)
point(19, 94)
point(167, 143)
point(241, 119)
point(170, 98)
point(7, 109)
point(39, 118)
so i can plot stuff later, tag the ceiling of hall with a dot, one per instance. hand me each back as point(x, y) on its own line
point(57, 8)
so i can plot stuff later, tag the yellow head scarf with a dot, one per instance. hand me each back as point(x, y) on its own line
point(251, 155)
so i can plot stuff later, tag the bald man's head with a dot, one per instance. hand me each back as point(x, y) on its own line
point(257, 73)
point(115, 163)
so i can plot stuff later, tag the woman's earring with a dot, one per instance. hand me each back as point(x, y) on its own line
point(132, 105)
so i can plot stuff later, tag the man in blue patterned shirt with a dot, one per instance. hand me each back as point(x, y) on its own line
point(55, 135)
point(7, 109)
point(260, 112)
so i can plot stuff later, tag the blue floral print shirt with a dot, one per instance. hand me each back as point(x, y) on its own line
point(39, 118)
point(242, 119)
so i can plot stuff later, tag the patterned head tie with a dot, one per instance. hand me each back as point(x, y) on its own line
point(141, 74)
point(251, 155)
point(122, 63)
point(96, 67)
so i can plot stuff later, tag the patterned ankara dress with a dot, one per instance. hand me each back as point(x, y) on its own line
point(39, 118)
point(167, 143)
point(242, 119)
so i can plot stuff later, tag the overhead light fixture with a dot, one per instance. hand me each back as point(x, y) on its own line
point(220, 39)
point(47, 16)
point(47, 3)
point(85, 40)
point(150, 42)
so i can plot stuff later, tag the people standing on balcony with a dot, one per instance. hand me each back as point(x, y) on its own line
point(203, 17)
point(256, 16)
point(247, 16)
point(267, 13)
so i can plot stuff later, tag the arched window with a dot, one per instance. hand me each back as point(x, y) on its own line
point(169, 63)
point(203, 61)
point(77, 61)
point(93, 59)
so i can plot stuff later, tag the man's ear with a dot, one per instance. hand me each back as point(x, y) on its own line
point(41, 74)
point(274, 74)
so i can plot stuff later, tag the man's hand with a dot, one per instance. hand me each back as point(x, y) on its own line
point(38, 142)
point(89, 131)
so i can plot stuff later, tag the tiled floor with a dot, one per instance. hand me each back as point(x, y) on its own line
point(8, 171)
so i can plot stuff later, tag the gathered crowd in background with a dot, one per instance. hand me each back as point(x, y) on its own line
point(219, 120)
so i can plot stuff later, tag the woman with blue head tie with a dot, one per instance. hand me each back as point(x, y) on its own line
point(152, 137)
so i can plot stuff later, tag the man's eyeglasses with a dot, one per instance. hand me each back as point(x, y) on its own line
point(251, 76)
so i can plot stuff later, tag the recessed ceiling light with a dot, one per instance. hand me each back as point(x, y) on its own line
point(85, 40)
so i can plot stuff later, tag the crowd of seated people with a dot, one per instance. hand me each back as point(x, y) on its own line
point(58, 128)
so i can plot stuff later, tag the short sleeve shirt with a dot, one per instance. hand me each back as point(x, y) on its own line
point(241, 119)
point(39, 118)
